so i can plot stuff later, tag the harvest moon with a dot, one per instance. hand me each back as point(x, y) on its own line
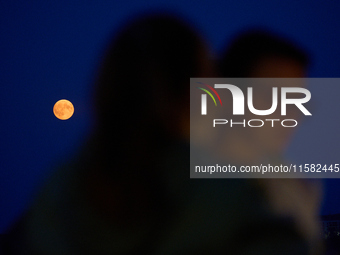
point(63, 109)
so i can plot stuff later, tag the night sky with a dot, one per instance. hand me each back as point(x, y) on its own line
point(49, 50)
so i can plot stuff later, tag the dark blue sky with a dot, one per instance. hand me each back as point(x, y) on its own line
point(49, 50)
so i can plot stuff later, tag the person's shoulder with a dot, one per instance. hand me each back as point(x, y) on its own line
point(13, 240)
point(46, 200)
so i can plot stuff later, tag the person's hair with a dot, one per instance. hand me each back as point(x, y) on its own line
point(145, 72)
point(252, 46)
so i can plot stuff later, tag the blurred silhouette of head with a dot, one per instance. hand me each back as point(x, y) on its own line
point(142, 90)
point(261, 54)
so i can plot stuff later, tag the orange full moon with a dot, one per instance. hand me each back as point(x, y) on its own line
point(63, 109)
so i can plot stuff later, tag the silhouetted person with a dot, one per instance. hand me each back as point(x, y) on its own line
point(261, 54)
